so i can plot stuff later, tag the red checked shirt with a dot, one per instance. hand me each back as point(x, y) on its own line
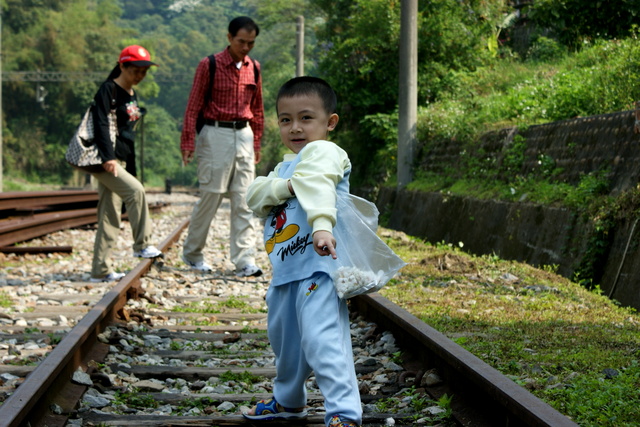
point(235, 97)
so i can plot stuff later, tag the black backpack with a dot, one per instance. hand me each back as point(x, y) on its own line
point(207, 95)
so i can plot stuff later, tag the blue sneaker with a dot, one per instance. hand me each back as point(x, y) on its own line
point(338, 421)
point(266, 410)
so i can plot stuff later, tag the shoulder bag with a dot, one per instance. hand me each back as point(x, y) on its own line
point(82, 152)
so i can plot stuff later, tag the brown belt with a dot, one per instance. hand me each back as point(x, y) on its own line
point(240, 124)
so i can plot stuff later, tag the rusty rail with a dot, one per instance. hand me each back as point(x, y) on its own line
point(50, 382)
point(482, 392)
point(26, 228)
point(484, 397)
point(80, 210)
point(32, 199)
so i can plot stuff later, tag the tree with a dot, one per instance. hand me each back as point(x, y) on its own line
point(573, 21)
point(358, 48)
point(54, 35)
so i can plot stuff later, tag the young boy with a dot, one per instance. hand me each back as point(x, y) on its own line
point(308, 325)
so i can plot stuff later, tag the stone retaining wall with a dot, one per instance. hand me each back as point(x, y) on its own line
point(535, 234)
point(577, 147)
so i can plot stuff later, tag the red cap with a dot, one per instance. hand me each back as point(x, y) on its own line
point(136, 55)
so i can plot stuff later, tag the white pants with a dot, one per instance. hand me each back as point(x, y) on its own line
point(308, 326)
point(226, 164)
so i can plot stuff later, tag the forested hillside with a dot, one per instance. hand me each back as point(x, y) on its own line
point(482, 64)
point(86, 36)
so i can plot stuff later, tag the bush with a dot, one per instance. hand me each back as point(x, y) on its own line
point(546, 49)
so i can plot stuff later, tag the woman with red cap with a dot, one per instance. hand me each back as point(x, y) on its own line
point(118, 184)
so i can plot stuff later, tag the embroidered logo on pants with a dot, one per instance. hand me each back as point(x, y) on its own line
point(312, 288)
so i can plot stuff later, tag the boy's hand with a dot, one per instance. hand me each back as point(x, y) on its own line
point(324, 244)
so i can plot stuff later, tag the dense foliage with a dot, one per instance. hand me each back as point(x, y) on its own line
point(482, 64)
point(359, 55)
point(85, 36)
point(575, 21)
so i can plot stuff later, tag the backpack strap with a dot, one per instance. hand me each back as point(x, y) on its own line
point(256, 72)
point(212, 73)
point(207, 95)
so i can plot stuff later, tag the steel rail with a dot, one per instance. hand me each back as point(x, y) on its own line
point(36, 250)
point(30, 199)
point(26, 228)
point(495, 397)
point(50, 382)
point(23, 228)
point(482, 394)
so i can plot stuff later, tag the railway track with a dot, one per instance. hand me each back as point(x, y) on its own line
point(144, 354)
point(26, 215)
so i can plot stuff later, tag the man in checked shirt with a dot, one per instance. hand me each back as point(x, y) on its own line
point(227, 147)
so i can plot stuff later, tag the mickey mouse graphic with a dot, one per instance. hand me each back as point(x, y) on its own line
point(281, 233)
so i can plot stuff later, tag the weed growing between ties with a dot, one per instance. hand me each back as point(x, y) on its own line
point(410, 400)
point(245, 377)
point(134, 399)
point(231, 304)
point(54, 339)
point(5, 300)
point(574, 348)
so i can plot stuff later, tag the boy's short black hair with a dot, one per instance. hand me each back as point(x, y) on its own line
point(307, 85)
point(243, 22)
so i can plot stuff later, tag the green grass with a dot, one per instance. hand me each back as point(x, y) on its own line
point(5, 300)
point(134, 399)
point(231, 304)
point(242, 377)
point(26, 185)
point(548, 334)
point(511, 93)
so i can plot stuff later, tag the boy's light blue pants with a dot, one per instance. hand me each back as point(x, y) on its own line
point(308, 326)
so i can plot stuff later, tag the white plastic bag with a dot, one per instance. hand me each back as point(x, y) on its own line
point(365, 263)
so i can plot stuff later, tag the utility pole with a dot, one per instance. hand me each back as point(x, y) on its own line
point(300, 46)
point(408, 91)
point(142, 148)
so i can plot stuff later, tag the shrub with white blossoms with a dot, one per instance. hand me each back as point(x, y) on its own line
point(351, 281)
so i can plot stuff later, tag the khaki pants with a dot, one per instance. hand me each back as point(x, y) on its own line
point(225, 165)
point(112, 193)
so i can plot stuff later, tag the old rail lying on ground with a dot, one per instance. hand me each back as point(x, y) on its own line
point(482, 396)
point(22, 200)
point(27, 215)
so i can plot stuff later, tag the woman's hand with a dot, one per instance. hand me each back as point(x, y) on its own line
point(111, 167)
point(324, 244)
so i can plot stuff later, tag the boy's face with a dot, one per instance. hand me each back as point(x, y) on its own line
point(302, 119)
